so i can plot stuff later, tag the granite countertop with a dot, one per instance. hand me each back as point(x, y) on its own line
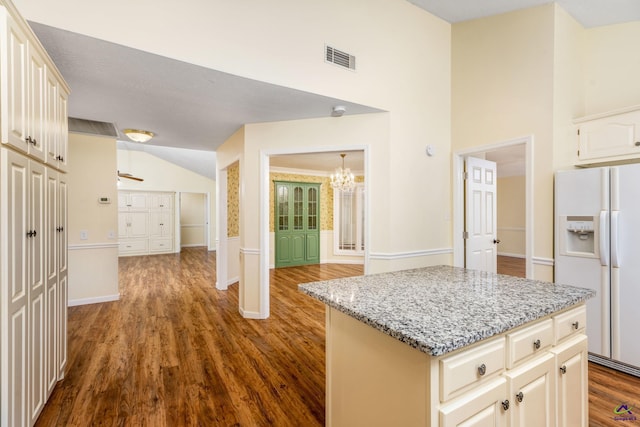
point(440, 309)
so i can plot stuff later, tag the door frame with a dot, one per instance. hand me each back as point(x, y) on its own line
point(458, 197)
point(266, 207)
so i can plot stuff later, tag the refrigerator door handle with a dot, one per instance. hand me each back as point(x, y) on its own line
point(615, 231)
point(604, 252)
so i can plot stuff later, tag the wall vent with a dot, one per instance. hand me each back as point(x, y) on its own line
point(92, 127)
point(340, 58)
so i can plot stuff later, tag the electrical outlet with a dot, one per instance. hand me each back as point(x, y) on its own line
point(84, 234)
point(111, 234)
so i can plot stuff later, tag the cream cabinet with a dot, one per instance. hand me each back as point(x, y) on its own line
point(33, 247)
point(145, 222)
point(34, 110)
point(535, 374)
point(571, 368)
point(609, 137)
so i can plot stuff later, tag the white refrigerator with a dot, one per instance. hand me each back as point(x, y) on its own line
point(597, 246)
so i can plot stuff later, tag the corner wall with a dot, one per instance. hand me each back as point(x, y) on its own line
point(93, 262)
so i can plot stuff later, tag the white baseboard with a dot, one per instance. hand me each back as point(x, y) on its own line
point(96, 300)
point(511, 255)
point(232, 280)
point(251, 314)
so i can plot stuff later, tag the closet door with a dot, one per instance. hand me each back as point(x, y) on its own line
point(51, 274)
point(14, 181)
point(36, 276)
point(61, 327)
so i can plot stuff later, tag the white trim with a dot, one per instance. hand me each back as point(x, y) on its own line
point(543, 261)
point(83, 246)
point(411, 254)
point(221, 230)
point(233, 239)
point(307, 172)
point(194, 245)
point(458, 197)
point(193, 225)
point(252, 314)
point(250, 251)
point(511, 255)
point(265, 209)
point(606, 114)
point(95, 300)
point(232, 280)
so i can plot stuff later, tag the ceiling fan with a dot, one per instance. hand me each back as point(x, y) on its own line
point(129, 176)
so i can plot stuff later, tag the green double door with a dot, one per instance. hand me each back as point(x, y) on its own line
point(297, 223)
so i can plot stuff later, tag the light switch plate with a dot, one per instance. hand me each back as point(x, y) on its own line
point(84, 234)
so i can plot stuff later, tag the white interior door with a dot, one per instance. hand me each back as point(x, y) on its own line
point(480, 215)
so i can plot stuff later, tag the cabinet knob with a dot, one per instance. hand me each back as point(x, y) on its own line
point(482, 369)
point(536, 344)
point(520, 397)
point(563, 369)
point(496, 241)
point(637, 143)
point(575, 325)
point(505, 404)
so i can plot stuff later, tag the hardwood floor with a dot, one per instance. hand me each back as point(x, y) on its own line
point(512, 266)
point(174, 351)
point(608, 389)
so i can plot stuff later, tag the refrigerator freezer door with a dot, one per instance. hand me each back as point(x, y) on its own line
point(585, 192)
point(625, 286)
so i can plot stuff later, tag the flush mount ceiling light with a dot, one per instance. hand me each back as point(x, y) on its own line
point(138, 135)
point(343, 179)
point(338, 110)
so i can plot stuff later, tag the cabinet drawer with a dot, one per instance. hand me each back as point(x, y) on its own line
point(136, 246)
point(464, 370)
point(161, 245)
point(526, 342)
point(570, 322)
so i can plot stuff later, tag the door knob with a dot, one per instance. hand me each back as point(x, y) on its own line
point(496, 241)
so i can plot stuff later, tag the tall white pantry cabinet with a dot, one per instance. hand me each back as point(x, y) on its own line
point(33, 222)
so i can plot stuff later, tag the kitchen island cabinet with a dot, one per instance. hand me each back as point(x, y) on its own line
point(445, 346)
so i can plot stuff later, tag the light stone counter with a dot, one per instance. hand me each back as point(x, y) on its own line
point(440, 309)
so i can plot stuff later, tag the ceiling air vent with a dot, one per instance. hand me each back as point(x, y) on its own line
point(340, 58)
point(92, 127)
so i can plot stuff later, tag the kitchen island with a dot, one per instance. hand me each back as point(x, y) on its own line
point(442, 346)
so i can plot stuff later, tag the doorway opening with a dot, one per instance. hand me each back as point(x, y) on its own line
point(513, 154)
point(193, 214)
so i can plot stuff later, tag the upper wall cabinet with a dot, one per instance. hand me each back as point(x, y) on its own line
point(610, 137)
point(33, 96)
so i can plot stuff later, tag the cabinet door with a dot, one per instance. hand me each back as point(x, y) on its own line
point(51, 276)
point(123, 225)
point(63, 130)
point(572, 388)
point(15, 110)
point(52, 132)
point(532, 393)
point(612, 136)
point(14, 181)
point(160, 224)
point(481, 407)
point(36, 104)
point(36, 275)
point(138, 224)
point(161, 201)
point(63, 269)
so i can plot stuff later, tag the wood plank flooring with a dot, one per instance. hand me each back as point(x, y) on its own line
point(512, 266)
point(174, 351)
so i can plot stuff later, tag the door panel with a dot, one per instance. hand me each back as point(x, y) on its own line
point(625, 290)
point(297, 223)
point(480, 215)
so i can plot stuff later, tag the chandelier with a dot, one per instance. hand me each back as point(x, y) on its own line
point(342, 179)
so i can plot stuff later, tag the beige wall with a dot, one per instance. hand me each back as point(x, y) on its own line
point(503, 89)
point(611, 67)
point(93, 263)
point(193, 219)
point(511, 216)
point(160, 175)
